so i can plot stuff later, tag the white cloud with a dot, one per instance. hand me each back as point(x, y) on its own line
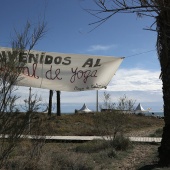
point(141, 85)
point(144, 86)
point(136, 80)
point(101, 47)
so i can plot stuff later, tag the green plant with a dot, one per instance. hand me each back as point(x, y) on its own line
point(121, 143)
point(92, 146)
point(158, 133)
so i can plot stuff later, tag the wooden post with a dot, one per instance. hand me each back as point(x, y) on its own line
point(50, 102)
point(58, 103)
point(97, 101)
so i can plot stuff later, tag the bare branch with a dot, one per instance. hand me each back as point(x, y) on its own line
point(9, 74)
point(110, 8)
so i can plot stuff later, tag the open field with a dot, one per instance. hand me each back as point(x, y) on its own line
point(119, 153)
point(88, 124)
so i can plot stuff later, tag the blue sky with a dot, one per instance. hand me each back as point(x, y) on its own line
point(68, 31)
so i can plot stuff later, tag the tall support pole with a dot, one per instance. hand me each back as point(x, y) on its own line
point(29, 100)
point(29, 111)
point(58, 103)
point(97, 100)
point(50, 102)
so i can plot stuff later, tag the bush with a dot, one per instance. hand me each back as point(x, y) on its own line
point(92, 146)
point(68, 160)
point(121, 143)
point(118, 143)
point(158, 133)
point(107, 155)
point(111, 153)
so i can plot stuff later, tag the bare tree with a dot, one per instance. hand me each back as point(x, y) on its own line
point(33, 104)
point(126, 104)
point(123, 104)
point(160, 11)
point(107, 103)
point(11, 126)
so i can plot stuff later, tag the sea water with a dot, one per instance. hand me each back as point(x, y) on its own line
point(155, 113)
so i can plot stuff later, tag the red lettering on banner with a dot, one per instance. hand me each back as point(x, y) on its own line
point(26, 71)
point(49, 74)
point(80, 74)
point(34, 67)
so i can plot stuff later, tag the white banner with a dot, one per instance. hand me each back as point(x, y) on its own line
point(66, 72)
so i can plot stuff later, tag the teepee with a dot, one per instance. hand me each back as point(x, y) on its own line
point(84, 109)
point(140, 109)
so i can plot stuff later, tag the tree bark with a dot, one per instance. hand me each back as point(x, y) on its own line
point(163, 46)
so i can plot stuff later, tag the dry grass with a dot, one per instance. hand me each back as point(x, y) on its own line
point(85, 124)
point(92, 155)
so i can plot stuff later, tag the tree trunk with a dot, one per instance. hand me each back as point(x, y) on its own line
point(50, 102)
point(58, 104)
point(163, 46)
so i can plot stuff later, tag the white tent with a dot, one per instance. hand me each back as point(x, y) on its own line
point(84, 109)
point(140, 109)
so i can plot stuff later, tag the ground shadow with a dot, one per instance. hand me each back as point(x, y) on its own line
point(148, 167)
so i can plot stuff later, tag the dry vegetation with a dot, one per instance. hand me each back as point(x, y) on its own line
point(87, 124)
point(119, 153)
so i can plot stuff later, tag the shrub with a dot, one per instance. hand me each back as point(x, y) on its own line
point(121, 143)
point(107, 155)
point(68, 160)
point(118, 143)
point(111, 153)
point(92, 146)
point(158, 133)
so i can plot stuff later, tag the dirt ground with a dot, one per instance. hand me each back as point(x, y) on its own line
point(143, 156)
